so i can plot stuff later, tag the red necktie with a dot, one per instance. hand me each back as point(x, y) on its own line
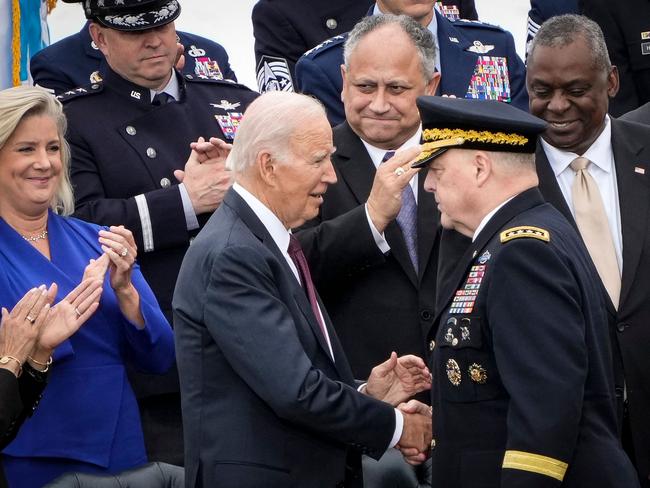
point(298, 258)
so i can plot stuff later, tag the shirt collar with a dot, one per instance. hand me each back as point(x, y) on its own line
point(487, 218)
point(171, 88)
point(377, 154)
point(271, 222)
point(560, 160)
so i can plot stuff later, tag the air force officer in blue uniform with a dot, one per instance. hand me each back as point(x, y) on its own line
point(475, 60)
point(77, 61)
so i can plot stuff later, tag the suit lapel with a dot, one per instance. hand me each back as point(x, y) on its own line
point(633, 195)
point(454, 59)
point(358, 172)
point(246, 214)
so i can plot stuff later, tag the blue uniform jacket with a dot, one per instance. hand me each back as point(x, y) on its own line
point(88, 412)
point(74, 61)
point(318, 72)
point(542, 10)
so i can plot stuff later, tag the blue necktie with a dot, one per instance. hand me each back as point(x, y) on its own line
point(407, 219)
point(162, 98)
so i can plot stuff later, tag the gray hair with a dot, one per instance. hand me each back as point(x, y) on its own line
point(420, 36)
point(268, 125)
point(18, 104)
point(565, 29)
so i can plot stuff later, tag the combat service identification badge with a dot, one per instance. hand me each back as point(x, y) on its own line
point(273, 75)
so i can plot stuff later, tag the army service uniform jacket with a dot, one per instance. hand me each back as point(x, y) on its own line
point(523, 392)
point(477, 60)
point(75, 61)
point(125, 151)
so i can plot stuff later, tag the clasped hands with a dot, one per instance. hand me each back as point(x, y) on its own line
point(395, 381)
point(205, 176)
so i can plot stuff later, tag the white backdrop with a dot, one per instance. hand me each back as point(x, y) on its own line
point(229, 23)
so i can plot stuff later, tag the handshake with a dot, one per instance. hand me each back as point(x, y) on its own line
point(395, 381)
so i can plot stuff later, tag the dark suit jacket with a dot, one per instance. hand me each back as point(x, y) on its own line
point(377, 303)
point(263, 402)
point(18, 400)
point(71, 62)
point(630, 326)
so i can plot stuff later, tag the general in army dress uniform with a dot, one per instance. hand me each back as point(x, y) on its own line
point(126, 141)
point(523, 393)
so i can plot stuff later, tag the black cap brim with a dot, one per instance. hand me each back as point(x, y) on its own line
point(136, 21)
point(421, 163)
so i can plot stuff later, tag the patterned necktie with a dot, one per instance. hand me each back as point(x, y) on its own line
point(407, 219)
point(298, 258)
point(594, 227)
point(162, 98)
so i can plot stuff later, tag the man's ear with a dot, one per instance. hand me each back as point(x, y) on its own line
point(268, 167)
point(344, 76)
point(98, 36)
point(482, 167)
point(432, 86)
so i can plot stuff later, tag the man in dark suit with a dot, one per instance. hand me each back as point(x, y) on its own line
point(523, 392)
point(268, 395)
point(130, 139)
point(627, 28)
point(375, 264)
point(77, 61)
point(570, 81)
point(475, 60)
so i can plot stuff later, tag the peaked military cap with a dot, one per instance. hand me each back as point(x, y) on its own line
point(130, 15)
point(474, 124)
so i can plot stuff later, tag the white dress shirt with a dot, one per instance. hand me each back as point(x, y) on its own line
point(376, 156)
point(603, 170)
point(280, 236)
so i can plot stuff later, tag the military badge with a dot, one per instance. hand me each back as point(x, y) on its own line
point(194, 51)
point(229, 124)
point(485, 257)
point(450, 11)
point(205, 68)
point(477, 373)
point(639, 170)
point(464, 333)
point(645, 35)
point(226, 105)
point(523, 232)
point(273, 75)
point(490, 80)
point(453, 372)
point(479, 48)
point(464, 299)
point(645, 48)
point(95, 77)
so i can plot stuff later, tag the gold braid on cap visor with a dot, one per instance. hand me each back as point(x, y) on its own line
point(484, 136)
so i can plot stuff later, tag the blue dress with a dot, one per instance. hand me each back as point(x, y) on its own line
point(88, 418)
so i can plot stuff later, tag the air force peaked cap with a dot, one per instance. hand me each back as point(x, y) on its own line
point(130, 15)
point(460, 123)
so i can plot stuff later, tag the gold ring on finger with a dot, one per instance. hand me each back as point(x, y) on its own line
point(30, 319)
point(400, 171)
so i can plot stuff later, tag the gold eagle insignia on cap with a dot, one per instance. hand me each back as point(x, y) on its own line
point(525, 231)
